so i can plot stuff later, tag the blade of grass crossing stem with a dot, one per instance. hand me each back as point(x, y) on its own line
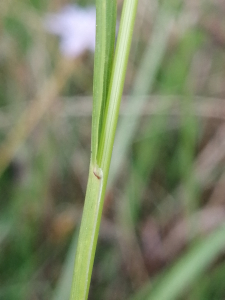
point(104, 52)
point(98, 174)
point(187, 270)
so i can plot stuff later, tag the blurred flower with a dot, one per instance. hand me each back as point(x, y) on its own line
point(76, 28)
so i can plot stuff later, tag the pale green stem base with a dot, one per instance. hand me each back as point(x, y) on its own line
point(89, 228)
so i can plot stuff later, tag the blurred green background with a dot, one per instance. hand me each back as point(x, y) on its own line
point(162, 233)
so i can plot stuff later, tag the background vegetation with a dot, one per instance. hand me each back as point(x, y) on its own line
point(162, 231)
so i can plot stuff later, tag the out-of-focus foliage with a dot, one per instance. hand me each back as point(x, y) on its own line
point(168, 192)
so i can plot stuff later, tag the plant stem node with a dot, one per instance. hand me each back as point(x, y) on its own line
point(98, 172)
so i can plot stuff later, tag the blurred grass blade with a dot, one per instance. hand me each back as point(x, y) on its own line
point(34, 112)
point(188, 269)
point(143, 84)
point(64, 284)
point(210, 283)
point(104, 52)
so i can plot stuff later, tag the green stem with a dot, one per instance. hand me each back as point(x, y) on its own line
point(98, 174)
point(87, 238)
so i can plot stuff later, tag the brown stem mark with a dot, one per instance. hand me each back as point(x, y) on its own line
point(97, 172)
point(98, 176)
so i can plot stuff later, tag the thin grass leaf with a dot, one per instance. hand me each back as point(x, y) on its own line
point(105, 42)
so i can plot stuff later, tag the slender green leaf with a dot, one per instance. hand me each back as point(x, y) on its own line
point(116, 85)
point(105, 42)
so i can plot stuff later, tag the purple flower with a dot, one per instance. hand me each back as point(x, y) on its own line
point(76, 28)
